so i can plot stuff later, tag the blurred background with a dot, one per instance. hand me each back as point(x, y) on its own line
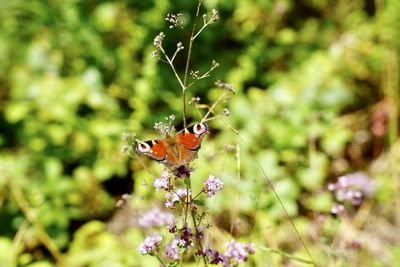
point(317, 99)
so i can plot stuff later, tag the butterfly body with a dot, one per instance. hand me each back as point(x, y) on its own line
point(175, 150)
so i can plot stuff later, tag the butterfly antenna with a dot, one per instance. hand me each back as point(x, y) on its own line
point(277, 197)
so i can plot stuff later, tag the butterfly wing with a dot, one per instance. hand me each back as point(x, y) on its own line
point(175, 150)
point(191, 137)
point(155, 149)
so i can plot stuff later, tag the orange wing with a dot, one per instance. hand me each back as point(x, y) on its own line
point(156, 149)
point(192, 136)
point(188, 140)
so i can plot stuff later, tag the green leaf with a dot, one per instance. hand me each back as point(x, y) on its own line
point(198, 202)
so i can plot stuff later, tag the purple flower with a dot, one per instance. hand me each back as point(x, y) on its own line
point(237, 252)
point(214, 256)
point(352, 188)
point(212, 185)
point(338, 209)
point(150, 244)
point(172, 197)
point(171, 250)
point(185, 237)
point(163, 182)
point(172, 228)
point(156, 218)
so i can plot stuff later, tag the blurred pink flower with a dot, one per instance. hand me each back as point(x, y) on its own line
point(352, 187)
point(212, 185)
point(150, 244)
point(156, 218)
point(171, 250)
point(237, 252)
point(163, 182)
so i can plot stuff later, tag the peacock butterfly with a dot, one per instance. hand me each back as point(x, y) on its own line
point(175, 150)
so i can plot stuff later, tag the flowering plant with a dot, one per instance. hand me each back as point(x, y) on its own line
point(188, 238)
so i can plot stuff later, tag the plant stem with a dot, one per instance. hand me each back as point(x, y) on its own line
point(173, 68)
point(202, 28)
point(198, 194)
point(159, 259)
point(188, 62)
point(287, 255)
point(205, 75)
point(213, 106)
point(187, 203)
point(199, 244)
point(278, 198)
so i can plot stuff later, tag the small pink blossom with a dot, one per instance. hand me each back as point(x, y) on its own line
point(150, 244)
point(171, 250)
point(156, 218)
point(351, 188)
point(163, 182)
point(212, 185)
point(338, 209)
point(237, 252)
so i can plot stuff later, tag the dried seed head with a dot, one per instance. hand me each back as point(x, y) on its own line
point(124, 148)
point(179, 46)
point(154, 54)
point(195, 74)
point(225, 112)
point(175, 20)
point(195, 100)
point(214, 15)
point(215, 64)
point(158, 40)
point(225, 86)
point(167, 127)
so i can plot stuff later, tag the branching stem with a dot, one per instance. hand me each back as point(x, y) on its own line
point(173, 68)
point(188, 62)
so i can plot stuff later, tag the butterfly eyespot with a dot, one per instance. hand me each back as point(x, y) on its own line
point(200, 128)
point(143, 147)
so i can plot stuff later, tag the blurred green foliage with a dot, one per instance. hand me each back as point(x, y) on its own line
point(75, 75)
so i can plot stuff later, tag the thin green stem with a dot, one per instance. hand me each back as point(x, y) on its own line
point(202, 28)
point(213, 106)
point(173, 68)
point(188, 62)
point(286, 255)
point(176, 52)
point(278, 198)
point(160, 260)
point(198, 194)
point(188, 199)
point(205, 75)
point(199, 244)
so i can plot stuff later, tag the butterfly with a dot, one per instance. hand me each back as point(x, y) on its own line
point(175, 150)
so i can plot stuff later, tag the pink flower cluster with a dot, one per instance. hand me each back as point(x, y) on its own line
point(212, 185)
point(172, 250)
point(235, 253)
point(352, 189)
point(156, 218)
point(163, 182)
point(150, 244)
